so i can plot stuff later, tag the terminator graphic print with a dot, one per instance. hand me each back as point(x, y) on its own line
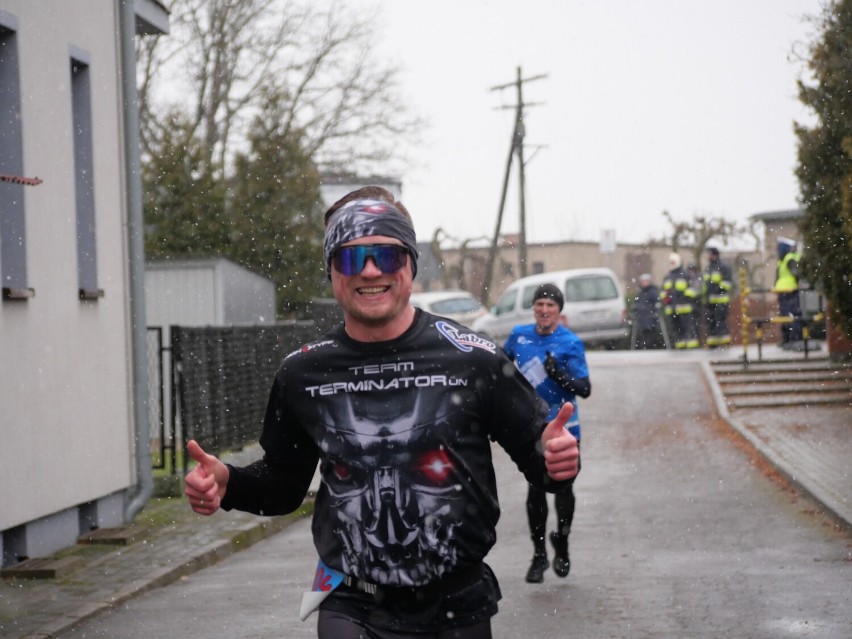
point(403, 431)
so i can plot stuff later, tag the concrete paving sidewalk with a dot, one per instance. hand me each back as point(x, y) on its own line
point(166, 542)
point(810, 446)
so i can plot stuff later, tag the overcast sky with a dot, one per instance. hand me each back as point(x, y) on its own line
point(679, 105)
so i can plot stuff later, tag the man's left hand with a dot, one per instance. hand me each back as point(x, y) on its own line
point(561, 454)
point(551, 366)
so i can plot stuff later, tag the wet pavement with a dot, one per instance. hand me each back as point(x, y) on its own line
point(656, 427)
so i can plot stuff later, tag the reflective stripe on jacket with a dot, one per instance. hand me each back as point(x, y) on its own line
point(677, 295)
point(717, 283)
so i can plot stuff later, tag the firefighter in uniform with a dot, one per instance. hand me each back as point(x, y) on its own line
point(787, 289)
point(717, 299)
point(678, 299)
point(695, 283)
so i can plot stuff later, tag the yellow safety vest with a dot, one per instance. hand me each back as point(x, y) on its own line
point(785, 281)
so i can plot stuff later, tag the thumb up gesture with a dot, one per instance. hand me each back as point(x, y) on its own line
point(206, 483)
point(561, 454)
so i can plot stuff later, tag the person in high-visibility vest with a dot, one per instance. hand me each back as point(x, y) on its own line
point(787, 289)
point(717, 299)
point(678, 299)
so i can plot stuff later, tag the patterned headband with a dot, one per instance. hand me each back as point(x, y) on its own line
point(362, 218)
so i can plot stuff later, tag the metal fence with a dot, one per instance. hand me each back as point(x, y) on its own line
point(221, 379)
point(161, 440)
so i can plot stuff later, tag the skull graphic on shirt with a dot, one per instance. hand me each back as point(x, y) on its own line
point(394, 490)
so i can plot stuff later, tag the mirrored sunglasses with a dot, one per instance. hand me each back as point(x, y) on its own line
point(350, 260)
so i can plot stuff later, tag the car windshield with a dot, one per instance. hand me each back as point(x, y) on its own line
point(594, 288)
point(506, 303)
point(527, 302)
point(455, 305)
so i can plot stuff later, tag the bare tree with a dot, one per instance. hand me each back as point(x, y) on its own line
point(698, 232)
point(223, 56)
point(443, 268)
point(457, 274)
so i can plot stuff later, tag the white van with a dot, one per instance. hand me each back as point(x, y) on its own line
point(594, 306)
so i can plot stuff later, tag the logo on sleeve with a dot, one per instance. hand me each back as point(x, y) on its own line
point(465, 342)
point(309, 347)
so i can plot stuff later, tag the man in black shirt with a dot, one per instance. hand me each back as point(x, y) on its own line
point(398, 407)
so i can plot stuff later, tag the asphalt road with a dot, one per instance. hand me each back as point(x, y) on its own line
point(680, 532)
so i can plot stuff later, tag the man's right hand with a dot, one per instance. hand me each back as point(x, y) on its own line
point(207, 482)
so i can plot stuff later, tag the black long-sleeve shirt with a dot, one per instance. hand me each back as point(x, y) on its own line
point(402, 431)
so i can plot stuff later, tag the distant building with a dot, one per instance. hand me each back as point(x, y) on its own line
point(334, 186)
point(784, 223)
point(73, 380)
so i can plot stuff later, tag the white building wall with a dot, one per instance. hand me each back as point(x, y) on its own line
point(65, 367)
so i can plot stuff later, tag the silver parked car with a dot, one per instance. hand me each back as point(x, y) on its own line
point(594, 306)
point(457, 305)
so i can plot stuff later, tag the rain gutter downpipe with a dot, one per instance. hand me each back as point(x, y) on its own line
point(139, 494)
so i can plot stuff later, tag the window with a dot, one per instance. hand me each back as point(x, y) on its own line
point(13, 235)
point(81, 105)
point(456, 305)
point(595, 288)
point(527, 301)
point(506, 303)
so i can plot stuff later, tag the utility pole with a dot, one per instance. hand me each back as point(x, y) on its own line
point(516, 148)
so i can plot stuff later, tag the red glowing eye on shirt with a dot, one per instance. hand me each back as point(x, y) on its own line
point(342, 471)
point(435, 465)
